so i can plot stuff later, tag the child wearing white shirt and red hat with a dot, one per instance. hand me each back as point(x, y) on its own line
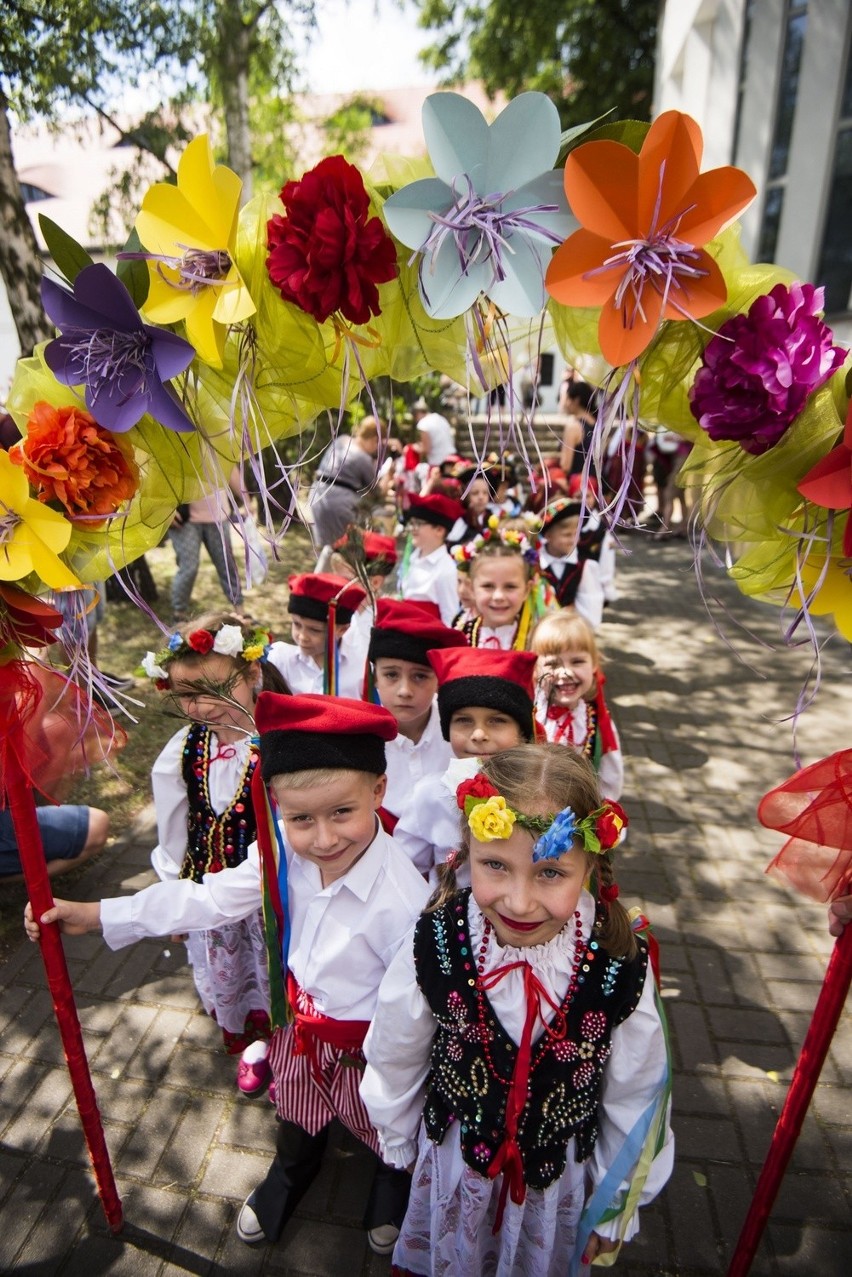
point(485, 704)
point(317, 661)
point(339, 900)
point(430, 572)
point(405, 683)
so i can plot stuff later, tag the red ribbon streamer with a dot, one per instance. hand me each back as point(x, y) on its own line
point(829, 1007)
point(23, 811)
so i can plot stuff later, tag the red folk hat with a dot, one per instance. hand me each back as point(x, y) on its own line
point(487, 677)
point(406, 631)
point(814, 808)
point(301, 733)
point(373, 547)
point(311, 593)
point(441, 512)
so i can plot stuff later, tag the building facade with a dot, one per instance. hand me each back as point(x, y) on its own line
point(770, 83)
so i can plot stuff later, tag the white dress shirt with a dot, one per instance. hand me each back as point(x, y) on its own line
point(433, 577)
point(611, 770)
point(428, 826)
point(304, 675)
point(408, 763)
point(342, 936)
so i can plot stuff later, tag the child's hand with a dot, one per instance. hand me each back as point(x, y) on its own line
point(839, 913)
point(75, 918)
point(598, 1246)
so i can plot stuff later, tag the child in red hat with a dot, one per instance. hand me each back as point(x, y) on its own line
point(406, 684)
point(485, 705)
point(311, 663)
point(370, 558)
point(429, 572)
point(339, 899)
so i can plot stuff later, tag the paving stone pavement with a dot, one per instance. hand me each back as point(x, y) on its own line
point(742, 959)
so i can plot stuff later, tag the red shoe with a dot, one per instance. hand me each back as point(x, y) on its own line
point(253, 1078)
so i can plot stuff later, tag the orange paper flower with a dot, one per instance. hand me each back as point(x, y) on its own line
point(644, 218)
point(69, 458)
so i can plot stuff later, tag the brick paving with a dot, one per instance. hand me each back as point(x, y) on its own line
point(742, 963)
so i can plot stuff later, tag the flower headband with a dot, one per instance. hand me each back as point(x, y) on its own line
point(489, 818)
point(228, 640)
point(526, 541)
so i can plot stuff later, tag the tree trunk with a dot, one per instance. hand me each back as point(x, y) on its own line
point(20, 262)
point(235, 40)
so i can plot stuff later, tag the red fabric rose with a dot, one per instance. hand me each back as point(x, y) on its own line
point(479, 787)
point(200, 641)
point(327, 254)
point(608, 827)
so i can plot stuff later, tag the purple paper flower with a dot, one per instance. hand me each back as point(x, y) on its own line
point(105, 346)
point(760, 368)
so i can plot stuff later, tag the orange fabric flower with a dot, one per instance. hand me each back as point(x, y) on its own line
point(644, 218)
point(69, 458)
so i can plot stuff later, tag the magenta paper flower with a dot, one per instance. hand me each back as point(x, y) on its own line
point(760, 368)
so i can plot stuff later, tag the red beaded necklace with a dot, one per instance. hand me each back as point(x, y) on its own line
point(508, 1159)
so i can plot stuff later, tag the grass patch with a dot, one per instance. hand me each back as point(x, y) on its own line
point(123, 638)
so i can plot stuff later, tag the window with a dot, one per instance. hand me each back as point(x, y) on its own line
point(835, 262)
point(788, 91)
point(743, 77)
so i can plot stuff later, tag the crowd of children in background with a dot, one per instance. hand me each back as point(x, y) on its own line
point(388, 841)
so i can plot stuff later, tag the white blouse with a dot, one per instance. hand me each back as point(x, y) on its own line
point(399, 1043)
point(433, 577)
point(170, 798)
point(428, 826)
point(611, 771)
point(342, 936)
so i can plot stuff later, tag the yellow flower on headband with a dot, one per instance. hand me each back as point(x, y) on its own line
point(253, 652)
point(491, 820)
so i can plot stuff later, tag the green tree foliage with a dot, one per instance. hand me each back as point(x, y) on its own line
point(589, 56)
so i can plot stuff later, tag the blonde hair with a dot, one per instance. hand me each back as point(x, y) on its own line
point(565, 631)
point(549, 777)
point(368, 428)
point(317, 776)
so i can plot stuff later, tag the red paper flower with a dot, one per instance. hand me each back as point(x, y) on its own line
point(608, 826)
point(200, 641)
point(327, 254)
point(479, 787)
point(69, 458)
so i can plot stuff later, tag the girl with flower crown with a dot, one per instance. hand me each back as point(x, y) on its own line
point(507, 598)
point(205, 819)
point(524, 1026)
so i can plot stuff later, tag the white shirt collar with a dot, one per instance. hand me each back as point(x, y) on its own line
point(549, 560)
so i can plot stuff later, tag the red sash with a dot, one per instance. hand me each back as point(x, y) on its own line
point(345, 1035)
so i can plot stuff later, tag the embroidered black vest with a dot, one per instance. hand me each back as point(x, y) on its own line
point(567, 586)
point(565, 1074)
point(214, 841)
point(590, 542)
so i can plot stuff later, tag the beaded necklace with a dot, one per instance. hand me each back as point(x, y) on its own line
point(214, 841)
point(508, 1159)
point(471, 627)
point(565, 728)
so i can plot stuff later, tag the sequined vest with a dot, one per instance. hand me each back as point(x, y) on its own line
point(566, 587)
point(470, 1084)
point(214, 841)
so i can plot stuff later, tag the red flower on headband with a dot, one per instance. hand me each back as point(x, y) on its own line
point(479, 787)
point(200, 641)
point(327, 254)
point(609, 825)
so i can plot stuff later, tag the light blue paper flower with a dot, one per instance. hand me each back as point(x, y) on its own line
point(490, 220)
point(558, 839)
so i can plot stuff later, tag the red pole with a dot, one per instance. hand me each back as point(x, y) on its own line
point(835, 987)
point(23, 811)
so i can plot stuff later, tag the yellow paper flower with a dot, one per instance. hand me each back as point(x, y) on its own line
point(31, 535)
point(190, 233)
point(254, 652)
point(491, 820)
point(834, 596)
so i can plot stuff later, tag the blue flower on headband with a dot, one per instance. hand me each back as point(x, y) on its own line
point(175, 642)
point(558, 839)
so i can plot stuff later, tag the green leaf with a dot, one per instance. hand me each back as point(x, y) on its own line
point(69, 257)
point(630, 133)
point(573, 137)
point(701, 1180)
point(134, 274)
